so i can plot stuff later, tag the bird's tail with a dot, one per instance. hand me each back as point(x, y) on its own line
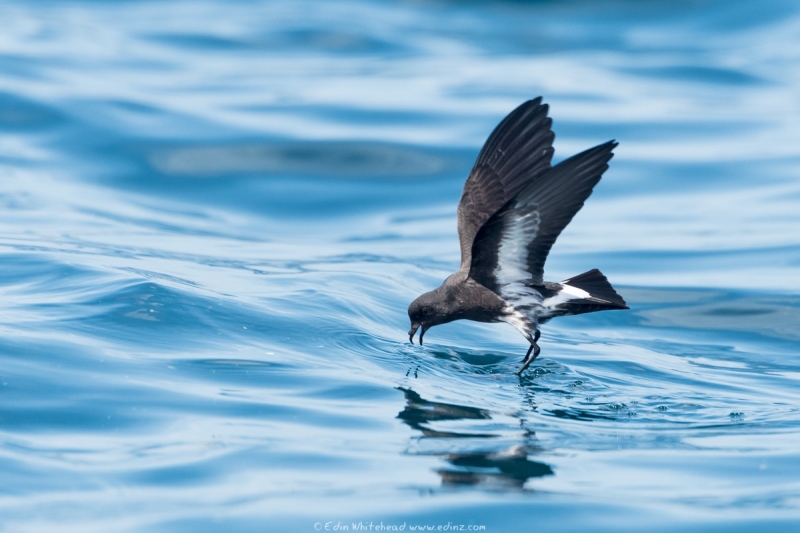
point(601, 294)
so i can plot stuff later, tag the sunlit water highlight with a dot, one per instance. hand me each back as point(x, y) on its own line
point(215, 214)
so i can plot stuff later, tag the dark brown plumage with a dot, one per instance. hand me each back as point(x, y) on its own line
point(513, 207)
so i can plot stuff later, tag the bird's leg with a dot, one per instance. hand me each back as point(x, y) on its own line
point(536, 350)
point(530, 349)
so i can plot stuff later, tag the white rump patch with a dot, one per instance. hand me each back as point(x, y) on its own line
point(566, 294)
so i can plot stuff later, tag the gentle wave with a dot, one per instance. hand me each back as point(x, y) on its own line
point(214, 216)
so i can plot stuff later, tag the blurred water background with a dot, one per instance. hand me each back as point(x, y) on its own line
point(213, 216)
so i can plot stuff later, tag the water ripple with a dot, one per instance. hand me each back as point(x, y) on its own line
point(214, 217)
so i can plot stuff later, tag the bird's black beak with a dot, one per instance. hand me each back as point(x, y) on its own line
point(412, 331)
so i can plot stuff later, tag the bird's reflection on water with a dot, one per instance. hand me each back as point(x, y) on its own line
point(486, 466)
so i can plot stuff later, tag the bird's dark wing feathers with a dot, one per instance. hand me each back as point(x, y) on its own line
point(510, 249)
point(519, 148)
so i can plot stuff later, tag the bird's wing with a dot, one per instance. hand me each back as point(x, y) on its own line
point(511, 247)
point(519, 149)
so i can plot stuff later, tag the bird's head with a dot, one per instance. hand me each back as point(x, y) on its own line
point(425, 312)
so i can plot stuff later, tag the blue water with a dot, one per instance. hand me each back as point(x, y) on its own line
point(213, 216)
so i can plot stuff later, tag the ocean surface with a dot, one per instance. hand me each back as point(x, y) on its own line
point(214, 214)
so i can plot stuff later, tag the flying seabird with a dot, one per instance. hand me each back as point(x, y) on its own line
point(513, 207)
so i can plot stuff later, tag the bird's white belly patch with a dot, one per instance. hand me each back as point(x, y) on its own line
point(518, 320)
point(520, 295)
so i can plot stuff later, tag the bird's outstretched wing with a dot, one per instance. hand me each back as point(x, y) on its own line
point(510, 249)
point(519, 149)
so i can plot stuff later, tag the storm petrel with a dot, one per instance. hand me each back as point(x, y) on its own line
point(513, 207)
